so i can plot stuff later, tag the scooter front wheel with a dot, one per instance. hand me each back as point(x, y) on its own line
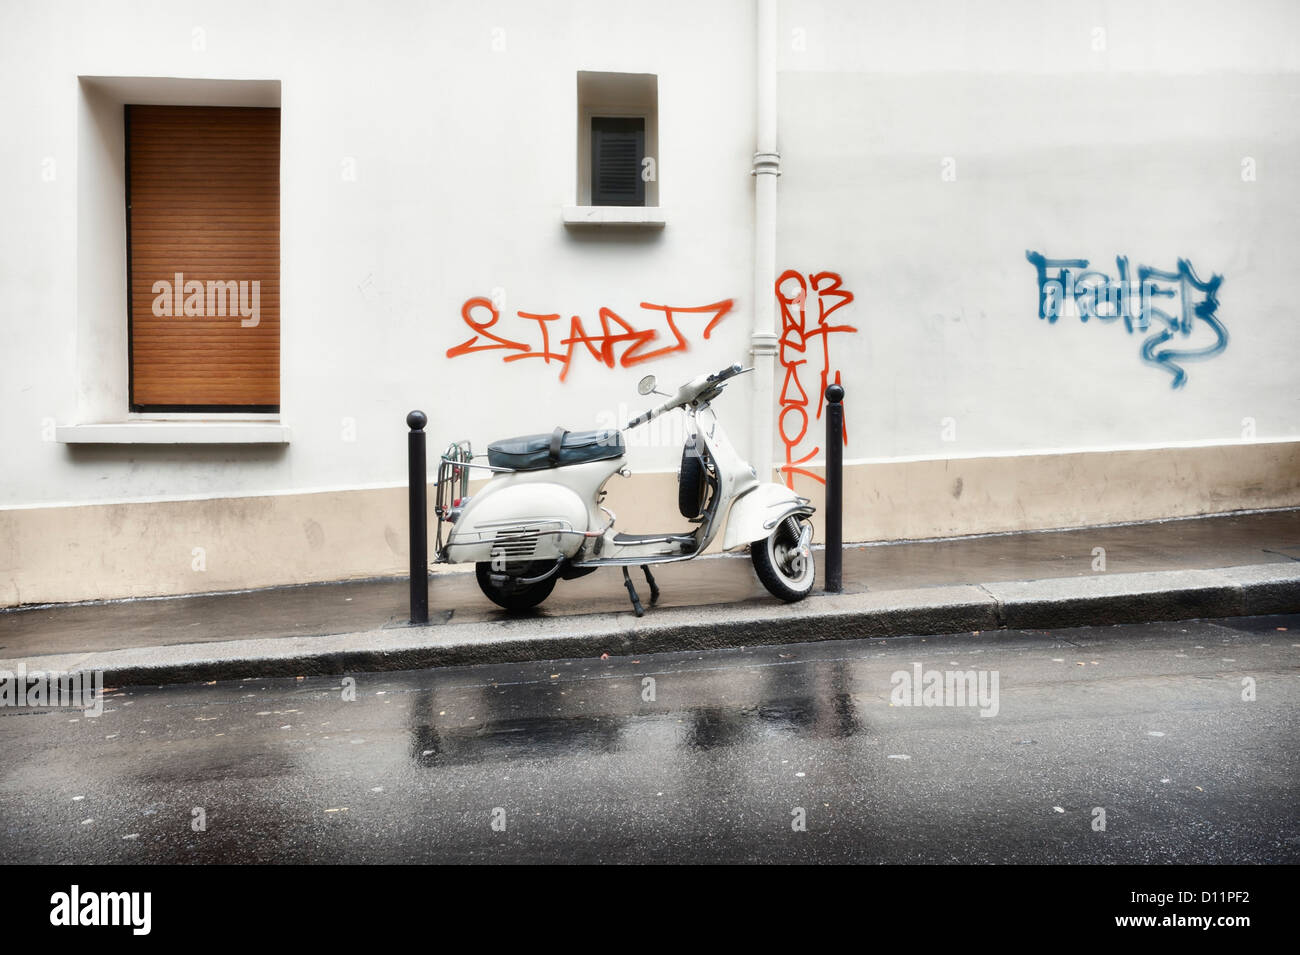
point(517, 597)
point(783, 563)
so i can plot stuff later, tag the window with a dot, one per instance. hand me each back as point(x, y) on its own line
point(203, 258)
point(618, 139)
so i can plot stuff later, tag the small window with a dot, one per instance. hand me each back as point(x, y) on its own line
point(617, 151)
point(618, 139)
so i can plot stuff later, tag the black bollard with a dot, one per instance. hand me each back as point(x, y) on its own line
point(419, 494)
point(834, 489)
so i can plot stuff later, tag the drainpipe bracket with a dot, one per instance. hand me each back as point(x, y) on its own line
point(766, 164)
point(764, 343)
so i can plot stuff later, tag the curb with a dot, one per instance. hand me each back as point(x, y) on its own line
point(1034, 604)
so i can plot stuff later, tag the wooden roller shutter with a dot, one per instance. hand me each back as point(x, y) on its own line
point(203, 211)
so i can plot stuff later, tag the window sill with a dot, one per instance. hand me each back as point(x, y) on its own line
point(621, 217)
point(173, 432)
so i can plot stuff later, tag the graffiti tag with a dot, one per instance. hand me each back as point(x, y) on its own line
point(1192, 311)
point(618, 341)
point(797, 335)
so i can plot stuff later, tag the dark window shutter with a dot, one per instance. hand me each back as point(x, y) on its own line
point(617, 148)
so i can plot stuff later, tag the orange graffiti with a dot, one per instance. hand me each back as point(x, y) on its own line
point(614, 331)
point(795, 338)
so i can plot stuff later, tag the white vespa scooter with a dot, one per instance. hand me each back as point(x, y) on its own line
point(541, 517)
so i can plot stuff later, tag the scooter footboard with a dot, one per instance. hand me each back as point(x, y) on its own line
point(754, 514)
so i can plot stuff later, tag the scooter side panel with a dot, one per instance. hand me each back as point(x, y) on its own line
point(529, 515)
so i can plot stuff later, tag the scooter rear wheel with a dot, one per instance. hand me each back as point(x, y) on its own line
point(518, 598)
point(779, 566)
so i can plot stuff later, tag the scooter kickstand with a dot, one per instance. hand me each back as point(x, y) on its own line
point(631, 592)
point(654, 588)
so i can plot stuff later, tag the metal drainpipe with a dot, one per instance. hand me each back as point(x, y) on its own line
point(767, 166)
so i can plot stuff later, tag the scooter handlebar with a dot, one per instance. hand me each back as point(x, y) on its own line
point(689, 392)
point(731, 371)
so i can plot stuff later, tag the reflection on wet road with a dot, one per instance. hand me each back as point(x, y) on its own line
point(791, 753)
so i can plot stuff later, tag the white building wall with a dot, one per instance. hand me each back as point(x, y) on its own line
point(427, 152)
point(428, 149)
point(927, 146)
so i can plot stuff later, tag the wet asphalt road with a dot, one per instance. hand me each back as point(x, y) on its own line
point(574, 762)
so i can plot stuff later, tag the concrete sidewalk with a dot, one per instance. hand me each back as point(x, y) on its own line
point(1200, 567)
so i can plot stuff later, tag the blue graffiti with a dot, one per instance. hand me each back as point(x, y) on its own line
point(1096, 296)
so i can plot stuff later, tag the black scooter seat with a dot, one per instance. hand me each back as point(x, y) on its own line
point(534, 452)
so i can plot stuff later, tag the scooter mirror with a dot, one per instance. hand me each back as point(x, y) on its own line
point(646, 385)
